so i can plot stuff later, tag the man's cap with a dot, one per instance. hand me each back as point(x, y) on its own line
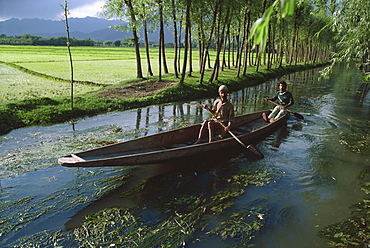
point(223, 87)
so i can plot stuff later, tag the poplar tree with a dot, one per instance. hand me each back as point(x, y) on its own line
point(65, 8)
point(121, 9)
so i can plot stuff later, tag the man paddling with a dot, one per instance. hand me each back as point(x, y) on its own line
point(223, 111)
point(285, 99)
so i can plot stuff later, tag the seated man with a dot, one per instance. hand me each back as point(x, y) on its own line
point(285, 99)
point(222, 111)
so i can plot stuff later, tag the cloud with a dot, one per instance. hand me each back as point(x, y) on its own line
point(91, 9)
point(48, 9)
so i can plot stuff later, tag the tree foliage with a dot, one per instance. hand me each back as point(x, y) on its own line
point(234, 29)
point(28, 39)
point(352, 22)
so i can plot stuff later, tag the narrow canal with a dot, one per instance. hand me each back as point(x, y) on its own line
point(311, 174)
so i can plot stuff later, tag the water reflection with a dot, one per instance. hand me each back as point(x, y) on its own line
point(279, 137)
point(167, 117)
point(362, 92)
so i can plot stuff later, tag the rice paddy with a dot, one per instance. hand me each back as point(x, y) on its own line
point(16, 85)
point(100, 65)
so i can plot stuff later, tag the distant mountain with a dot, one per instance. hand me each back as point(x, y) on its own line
point(102, 34)
point(80, 28)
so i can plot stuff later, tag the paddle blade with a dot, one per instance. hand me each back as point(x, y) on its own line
point(299, 116)
point(255, 151)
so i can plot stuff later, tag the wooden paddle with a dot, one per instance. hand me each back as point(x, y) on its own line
point(299, 116)
point(250, 147)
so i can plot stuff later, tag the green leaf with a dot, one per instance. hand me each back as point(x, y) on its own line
point(287, 7)
point(259, 29)
point(338, 235)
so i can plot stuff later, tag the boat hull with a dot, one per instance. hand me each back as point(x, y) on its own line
point(175, 145)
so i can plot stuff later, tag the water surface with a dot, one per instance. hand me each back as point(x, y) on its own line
point(315, 174)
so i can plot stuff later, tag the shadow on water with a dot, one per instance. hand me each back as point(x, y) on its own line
point(117, 197)
point(159, 193)
point(154, 186)
point(175, 202)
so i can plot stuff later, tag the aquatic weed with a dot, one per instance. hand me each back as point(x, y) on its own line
point(186, 215)
point(357, 141)
point(240, 225)
point(355, 231)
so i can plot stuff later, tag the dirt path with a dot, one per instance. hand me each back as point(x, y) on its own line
point(139, 90)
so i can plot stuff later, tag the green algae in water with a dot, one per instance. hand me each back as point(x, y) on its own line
point(357, 141)
point(355, 231)
point(17, 215)
point(120, 227)
point(45, 151)
point(240, 225)
point(186, 215)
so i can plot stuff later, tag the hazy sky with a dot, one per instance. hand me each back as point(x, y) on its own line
point(48, 9)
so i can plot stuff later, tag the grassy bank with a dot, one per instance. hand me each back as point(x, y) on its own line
point(47, 110)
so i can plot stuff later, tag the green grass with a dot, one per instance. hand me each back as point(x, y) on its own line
point(101, 65)
point(16, 85)
point(102, 72)
point(25, 54)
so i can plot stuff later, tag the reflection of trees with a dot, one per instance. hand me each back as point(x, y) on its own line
point(299, 83)
point(138, 121)
point(181, 114)
point(247, 100)
point(147, 120)
point(250, 99)
point(178, 108)
point(198, 113)
point(361, 93)
point(160, 118)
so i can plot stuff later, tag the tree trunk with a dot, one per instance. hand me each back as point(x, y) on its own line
point(237, 48)
point(269, 49)
point(161, 37)
point(70, 55)
point(160, 62)
point(150, 72)
point(179, 53)
point(139, 72)
point(175, 40)
point(200, 48)
point(297, 47)
point(225, 45)
point(219, 44)
point(205, 49)
point(228, 51)
point(190, 53)
point(241, 48)
point(258, 58)
point(246, 46)
point(187, 31)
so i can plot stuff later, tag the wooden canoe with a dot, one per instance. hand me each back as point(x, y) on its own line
point(176, 145)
